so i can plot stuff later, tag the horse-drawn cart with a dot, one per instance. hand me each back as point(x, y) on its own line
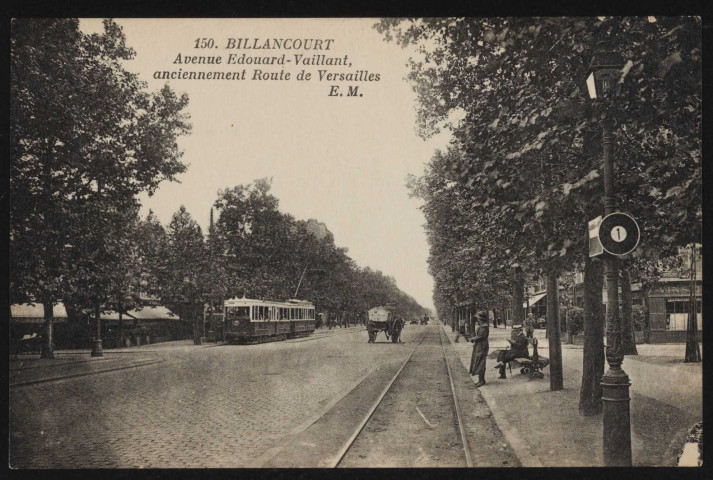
point(384, 319)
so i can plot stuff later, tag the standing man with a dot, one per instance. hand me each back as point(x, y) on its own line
point(480, 347)
point(529, 325)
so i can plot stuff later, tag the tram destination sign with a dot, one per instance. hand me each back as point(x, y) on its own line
point(619, 233)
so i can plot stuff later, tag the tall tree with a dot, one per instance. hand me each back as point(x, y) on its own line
point(524, 156)
point(184, 276)
point(86, 137)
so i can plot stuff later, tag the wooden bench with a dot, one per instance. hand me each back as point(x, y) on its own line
point(532, 365)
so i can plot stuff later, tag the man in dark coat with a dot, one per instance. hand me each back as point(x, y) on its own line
point(480, 348)
point(518, 349)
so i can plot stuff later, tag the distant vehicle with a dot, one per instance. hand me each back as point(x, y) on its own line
point(256, 321)
point(414, 321)
point(424, 320)
point(384, 319)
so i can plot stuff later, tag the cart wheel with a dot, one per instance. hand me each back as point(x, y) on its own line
point(522, 371)
point(526, 370)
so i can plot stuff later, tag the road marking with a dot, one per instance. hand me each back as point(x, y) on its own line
point(424, 418)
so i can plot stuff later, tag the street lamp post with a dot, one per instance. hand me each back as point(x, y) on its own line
point(189, 300)
point(604, 81)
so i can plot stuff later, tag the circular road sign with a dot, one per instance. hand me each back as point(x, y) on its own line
point(619, 233)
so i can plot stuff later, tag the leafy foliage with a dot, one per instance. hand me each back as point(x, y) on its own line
point(266, 253)
point(521, 177)
point(86, 138)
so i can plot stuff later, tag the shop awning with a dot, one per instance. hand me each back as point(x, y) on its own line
point(535, 299)
point(153, 313)
point(114, 316)
point(25, 312)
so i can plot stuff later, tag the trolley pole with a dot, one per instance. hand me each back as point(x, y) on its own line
point(299, 284)
point(615, 382)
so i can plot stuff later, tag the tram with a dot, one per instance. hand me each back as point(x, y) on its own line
point(256, 321)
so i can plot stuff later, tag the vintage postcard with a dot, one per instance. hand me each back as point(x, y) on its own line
point(355, 242)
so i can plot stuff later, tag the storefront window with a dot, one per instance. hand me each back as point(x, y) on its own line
point(677, 312)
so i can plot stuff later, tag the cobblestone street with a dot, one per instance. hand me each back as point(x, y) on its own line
point(209, 406)
point(296, 403)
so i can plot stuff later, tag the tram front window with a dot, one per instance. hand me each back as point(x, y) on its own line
point(238, 313)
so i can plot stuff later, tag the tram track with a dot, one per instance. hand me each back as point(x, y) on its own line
point(461, 427)
point(436, 441)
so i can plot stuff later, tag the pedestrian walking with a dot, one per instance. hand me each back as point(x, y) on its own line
point(480, 348)
point(529, 325)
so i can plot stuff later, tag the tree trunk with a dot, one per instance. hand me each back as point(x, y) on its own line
point(196, 328)
point(517, 297)
point(590, 396)
point(568, 325)
point(693, 351)
point(553, 331)
point(571, 303)
point(121, 327)
point(48, 340)
point(628, 342)
point(646, 290)
point(97, 350)
point(47, 349)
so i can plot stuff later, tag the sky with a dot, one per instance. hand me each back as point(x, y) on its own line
point(342, 160)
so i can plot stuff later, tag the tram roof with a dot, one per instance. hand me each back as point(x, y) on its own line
point(255, 301)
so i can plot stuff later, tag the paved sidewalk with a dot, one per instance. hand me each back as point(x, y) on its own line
point(545, 428)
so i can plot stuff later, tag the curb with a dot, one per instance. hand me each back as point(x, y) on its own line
point(134, 350)
point(95, 359)
point(82, 374)
point(518, 444)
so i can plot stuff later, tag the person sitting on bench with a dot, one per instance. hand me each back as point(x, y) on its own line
point(518, 349)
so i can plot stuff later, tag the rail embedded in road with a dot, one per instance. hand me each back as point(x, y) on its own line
point(356, 452)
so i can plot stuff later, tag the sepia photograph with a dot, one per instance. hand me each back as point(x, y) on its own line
point(428, 242)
